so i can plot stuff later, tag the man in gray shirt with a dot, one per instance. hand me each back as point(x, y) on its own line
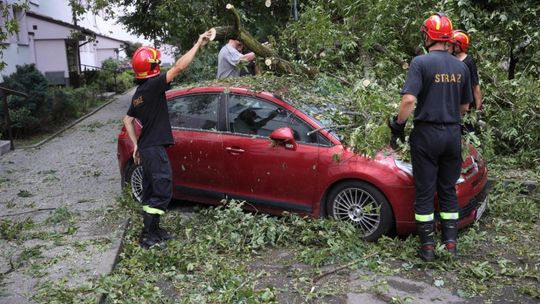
point(229, 56)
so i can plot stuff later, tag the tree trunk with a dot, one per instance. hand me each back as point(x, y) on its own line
point(512, 64)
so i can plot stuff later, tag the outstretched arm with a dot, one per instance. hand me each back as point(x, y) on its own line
point(184, 61)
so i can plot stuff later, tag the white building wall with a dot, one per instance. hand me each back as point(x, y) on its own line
point(15, 55)
point(88, 60)
point(105, 54)
point(52, 56)
point(47, 30)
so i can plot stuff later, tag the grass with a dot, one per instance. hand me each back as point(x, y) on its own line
point(24, 193)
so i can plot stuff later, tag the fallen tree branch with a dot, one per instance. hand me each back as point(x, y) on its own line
point(317, 278)
point(26, 212)
point(381, 49)
point(271, 59)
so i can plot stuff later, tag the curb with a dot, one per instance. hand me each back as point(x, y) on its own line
point(78, 120)
point(111, 257)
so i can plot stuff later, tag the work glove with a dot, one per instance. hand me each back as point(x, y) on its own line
point(397, 130)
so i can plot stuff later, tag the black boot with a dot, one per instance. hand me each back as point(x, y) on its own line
point(425, 231)
point(149, 236)
point(449, 236)
point(162, 233)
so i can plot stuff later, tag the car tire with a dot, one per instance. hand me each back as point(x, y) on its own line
point(134, 178)
point(363, 205)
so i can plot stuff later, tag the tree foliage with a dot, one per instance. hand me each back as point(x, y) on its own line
point(180, 22)
point(362, 49)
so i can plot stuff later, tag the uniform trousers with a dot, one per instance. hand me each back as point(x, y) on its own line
point(157, 178)
point(436, 161)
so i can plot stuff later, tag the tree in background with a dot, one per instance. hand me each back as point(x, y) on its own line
point(177, 22)
point(131, 47)
point(9, 24)
point(512, 30)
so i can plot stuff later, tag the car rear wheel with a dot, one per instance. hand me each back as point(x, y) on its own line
point(134, 178)
point(364, 206)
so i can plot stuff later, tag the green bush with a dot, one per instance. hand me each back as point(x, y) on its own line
point(124, 81)
point(62, 105)
point(46, 107)
point(26, 113)
point(23, 122)
point(111, 78)
point(105, 81)
point(90, 77)
point(513, 119)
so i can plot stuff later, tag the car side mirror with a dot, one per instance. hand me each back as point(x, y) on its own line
point(284, 137)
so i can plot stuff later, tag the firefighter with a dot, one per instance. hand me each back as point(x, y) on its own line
point(149, 106)
point(438, 90)
point(460, 41)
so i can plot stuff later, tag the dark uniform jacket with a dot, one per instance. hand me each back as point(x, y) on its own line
point(149, 105)
point(440, 82)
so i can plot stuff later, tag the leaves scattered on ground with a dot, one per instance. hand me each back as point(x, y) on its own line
point(225, 255)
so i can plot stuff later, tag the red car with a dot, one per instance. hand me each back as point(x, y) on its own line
point(234, 143)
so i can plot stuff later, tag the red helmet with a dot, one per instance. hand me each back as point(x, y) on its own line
point(461, 39)
point(438, 27)
point(145, 62)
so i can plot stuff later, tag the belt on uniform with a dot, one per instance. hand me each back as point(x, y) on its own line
point(435, 124)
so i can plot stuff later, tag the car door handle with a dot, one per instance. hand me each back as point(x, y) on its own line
point(234, 150)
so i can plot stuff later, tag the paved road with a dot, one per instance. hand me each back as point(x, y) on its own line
point(55, 208)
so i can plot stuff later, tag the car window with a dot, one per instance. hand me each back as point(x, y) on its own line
point(253, 116)
point(194, 111)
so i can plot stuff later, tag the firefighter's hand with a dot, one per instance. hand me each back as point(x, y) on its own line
point(136, 156)
point(398, 132)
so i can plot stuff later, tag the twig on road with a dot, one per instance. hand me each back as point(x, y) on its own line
point(26, 212)
point(317, 278)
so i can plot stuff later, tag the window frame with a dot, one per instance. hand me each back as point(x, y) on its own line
point(219, 121)
point(323, 142)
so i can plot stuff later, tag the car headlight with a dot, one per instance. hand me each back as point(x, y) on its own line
point(404, 166)
point(407, 168)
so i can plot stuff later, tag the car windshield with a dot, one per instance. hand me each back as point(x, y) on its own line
point(320, 115)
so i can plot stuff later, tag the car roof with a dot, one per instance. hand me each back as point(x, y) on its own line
point(217, 89)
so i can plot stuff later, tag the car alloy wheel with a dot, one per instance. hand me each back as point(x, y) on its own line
point(136, 182)
point(364, 206)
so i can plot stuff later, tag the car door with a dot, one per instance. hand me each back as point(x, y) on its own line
point(197, 155)
point(266, 174)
